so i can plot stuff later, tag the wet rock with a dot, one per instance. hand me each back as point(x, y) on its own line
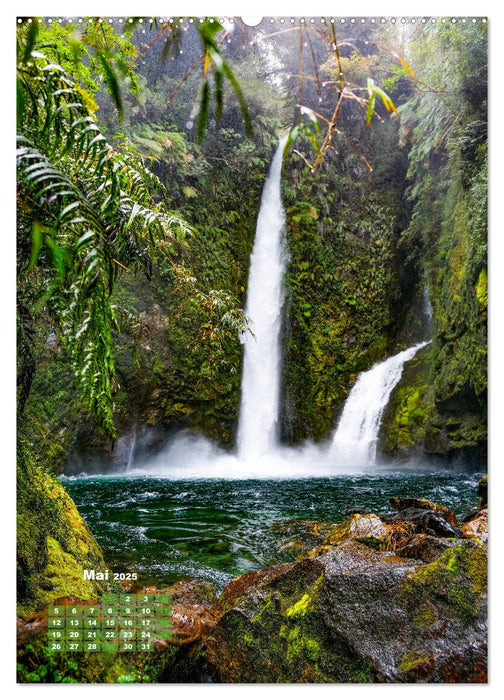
point(424, 547)
point(367, 528)
point(300, 536)
point(401, 504)
point(355, 615)
point(471, 515)
point(239, 586)
point(358, 526)
point(430, 522)
point(477, 528)
point(418, 667)
point(483, 491)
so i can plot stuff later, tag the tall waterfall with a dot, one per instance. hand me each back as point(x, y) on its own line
point(356, 436)
point(259, 453)
point(260, 387)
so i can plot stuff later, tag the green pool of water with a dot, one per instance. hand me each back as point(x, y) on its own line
point(168, 530)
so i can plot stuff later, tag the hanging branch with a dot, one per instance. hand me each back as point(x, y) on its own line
point(309, 128)
point(301, 70)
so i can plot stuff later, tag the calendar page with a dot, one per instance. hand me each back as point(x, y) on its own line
point(252, 349)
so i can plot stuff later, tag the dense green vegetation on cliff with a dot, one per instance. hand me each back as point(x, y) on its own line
point(394, 209)
point(139, 187)
point(446, 123)
point(142, 155)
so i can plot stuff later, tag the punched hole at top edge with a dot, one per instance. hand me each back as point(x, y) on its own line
point(251, 21)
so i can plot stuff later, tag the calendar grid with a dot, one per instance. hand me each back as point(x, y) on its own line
point(128, 622)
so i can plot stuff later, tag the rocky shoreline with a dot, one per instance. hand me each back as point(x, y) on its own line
point(392, 597)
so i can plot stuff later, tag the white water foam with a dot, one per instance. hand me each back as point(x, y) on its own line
point(259, 455)
point(190, 456)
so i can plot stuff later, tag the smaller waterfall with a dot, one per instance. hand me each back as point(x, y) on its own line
point(427, 306)
point(355, 439)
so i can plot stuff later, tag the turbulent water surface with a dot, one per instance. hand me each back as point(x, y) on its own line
point(215, 529)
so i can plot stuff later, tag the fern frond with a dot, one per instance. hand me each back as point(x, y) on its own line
point(93, 212)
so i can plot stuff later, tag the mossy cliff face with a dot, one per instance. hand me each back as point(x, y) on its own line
point(54, 544)
point(347, 288)
point(447, 234)
point(460, 314)
point(440, 405)
point(354, 615)
point(411, 405)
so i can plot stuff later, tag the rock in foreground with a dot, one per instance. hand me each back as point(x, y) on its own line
point(355, 615)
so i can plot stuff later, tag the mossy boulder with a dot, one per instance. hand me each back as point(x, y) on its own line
point(355, 615)
point(477, 527)
point(363, 527)
point(54, 544)
point(401, 504)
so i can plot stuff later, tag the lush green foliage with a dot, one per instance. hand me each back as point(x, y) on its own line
point(445, 120)
point(86, 212)
point(345, 285)
point(360, 250)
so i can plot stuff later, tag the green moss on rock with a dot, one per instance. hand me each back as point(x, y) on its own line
point(411, 405)
point(426, 616)
point(412, 659)
point(458, 579)
point(64, 574)
point(280, 638)
point(354, 615)
point(366, 528)
point(54, 544)
point(299, 608)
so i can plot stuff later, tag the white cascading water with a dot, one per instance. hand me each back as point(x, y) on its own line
point(356, 437)
point(260, 387)
point(259, 454)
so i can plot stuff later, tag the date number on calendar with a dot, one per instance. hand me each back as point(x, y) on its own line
point(93, 575)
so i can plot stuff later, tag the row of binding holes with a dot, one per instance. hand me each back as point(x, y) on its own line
point(272, 20)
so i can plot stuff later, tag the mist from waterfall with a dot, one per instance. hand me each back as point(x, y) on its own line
point(258, 452)
point(352, 448)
